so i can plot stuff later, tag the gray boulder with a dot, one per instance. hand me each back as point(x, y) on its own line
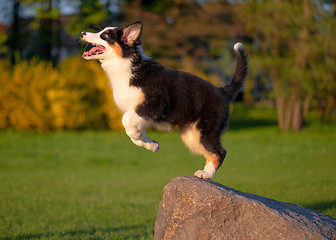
point(192, 208)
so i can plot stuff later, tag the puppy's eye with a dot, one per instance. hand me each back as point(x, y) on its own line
point(104, 36)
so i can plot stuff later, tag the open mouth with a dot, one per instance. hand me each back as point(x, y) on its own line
point(95, 50)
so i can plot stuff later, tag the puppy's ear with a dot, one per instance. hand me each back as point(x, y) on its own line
point(132, 33)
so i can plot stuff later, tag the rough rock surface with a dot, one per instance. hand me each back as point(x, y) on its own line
point(202, 209)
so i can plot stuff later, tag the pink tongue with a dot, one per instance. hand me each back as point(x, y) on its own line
point(94, 51)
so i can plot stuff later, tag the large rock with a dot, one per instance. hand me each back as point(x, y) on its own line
point(202, 209)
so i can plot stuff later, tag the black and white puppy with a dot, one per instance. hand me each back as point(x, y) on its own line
point(150, 94)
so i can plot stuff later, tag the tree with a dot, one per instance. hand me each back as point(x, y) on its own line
point(286, 35)
point(47, 24)
point(324, 57)
point(13, 40)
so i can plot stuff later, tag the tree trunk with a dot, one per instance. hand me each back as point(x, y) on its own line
point(13, 40)
point(306, 105)
point(297, 114)
point(46, 33)
point(290, 112)
point(329, 113)
point(56, 38)
point(298, 109)
point(281, 111)
point(280, 101)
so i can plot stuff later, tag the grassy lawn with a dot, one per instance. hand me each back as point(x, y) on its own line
point(98, 185)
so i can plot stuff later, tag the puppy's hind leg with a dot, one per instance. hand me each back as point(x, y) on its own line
point(214, 154)
point(135, 127)
point(211, 150)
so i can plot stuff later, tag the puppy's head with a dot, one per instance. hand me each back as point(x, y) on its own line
point(112, 42)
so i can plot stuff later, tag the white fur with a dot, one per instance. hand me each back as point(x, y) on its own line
point(161, 126)
point(238, 46)
point(126, 97)
point(208, 171)
point(135, 127)
point(118, 70)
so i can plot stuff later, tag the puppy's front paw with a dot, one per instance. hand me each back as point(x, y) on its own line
point(154, 146)
point(202, 174)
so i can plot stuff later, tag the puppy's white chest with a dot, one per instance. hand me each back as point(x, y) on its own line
point(126, 97)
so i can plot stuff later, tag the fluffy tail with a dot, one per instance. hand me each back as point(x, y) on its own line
point(232, 89)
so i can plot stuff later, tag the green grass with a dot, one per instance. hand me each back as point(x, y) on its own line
point(98, 185)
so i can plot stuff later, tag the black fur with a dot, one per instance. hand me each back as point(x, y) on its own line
point(180, 98)
point(237, 82)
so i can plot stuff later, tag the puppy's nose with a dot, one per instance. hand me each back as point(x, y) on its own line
point(82, 34)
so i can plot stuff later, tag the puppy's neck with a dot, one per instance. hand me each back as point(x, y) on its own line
point(117, 69)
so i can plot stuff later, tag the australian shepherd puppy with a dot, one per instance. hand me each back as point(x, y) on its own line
point(150, 94)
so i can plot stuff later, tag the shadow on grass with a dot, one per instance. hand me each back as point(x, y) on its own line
point(236, 124)
point(323, 206)
point(243, 117)
point(124, 232)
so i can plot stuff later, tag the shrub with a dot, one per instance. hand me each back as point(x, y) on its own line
point(74, 95)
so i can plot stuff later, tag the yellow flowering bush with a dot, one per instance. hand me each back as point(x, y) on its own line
point(74, 95)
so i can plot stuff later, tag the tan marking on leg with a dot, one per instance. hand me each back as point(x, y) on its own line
point(214, 158)
point(191, 136)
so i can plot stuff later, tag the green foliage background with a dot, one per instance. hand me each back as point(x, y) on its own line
point(289, 43)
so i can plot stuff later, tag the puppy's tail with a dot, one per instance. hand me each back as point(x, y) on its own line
point(231, 90)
